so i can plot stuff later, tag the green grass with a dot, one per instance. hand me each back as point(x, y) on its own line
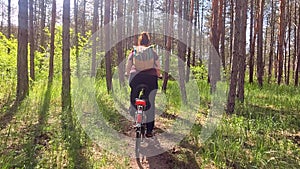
point(263, 132)
point(39, 135)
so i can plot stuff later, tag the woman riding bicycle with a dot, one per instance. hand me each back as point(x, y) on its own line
point(143, 66)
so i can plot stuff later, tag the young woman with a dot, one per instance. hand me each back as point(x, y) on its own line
point(143, 69)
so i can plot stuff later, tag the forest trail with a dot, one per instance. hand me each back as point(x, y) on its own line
point(168, 159)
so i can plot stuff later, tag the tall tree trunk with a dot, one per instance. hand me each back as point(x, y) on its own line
point(95, 27)
point(135, 22)
point(271, 52)
point(66, 72)
point(166, 24)
point(107, 50)
point(185, 29)
point(235, 57)
point(214, 62)
point(43, 25)
point(31, 40)
point(195, 32)
point(101, 25)
point(168, 46)
point(113, 31)
point(83, 19)
point(151, 20)
point(297, 69)
point(242, 55)
point(220, 22)
point(181, 54)
point(9, 23)
point(288, 60)
point(281, 40)
point(36, 24)
point(22, 61)
point(201, 33)
point(120, 47)
point(295, 38)
point(145, 20)
point(129, 27)
point(190, 27)
point(222, 35)
point(260, 62)
point(52, 38)
point(76, 36)
point(266, 35)
point(253, 33)
point(231, 31)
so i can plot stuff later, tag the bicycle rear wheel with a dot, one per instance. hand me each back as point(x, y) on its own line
point(138, 140)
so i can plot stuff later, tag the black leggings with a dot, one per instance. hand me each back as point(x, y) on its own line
point(149, 94)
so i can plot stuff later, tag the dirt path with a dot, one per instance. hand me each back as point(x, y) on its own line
point(164, 160)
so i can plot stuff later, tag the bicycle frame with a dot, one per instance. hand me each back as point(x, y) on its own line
point(139, 122)
point(140, 105)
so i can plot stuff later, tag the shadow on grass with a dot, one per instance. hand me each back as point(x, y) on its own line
point(40, 139)
point(9, 114)
point(286, 119)
point(176, 158)
point(73, 137)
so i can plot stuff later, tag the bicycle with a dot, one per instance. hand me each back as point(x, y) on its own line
point(140, 119)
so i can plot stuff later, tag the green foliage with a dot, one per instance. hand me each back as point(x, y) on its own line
point(8, 69)
point(200, 72)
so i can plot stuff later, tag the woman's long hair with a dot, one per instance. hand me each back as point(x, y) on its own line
point(144, 39)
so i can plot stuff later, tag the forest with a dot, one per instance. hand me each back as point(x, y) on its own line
point(228, 97)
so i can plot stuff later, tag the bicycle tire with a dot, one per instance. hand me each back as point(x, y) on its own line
point(138, 142)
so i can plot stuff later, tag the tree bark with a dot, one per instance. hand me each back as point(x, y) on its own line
point(214, 61)
point(76, 36)
point(253, 35)
point(31, 41)
point(83, 19)
point(242, 56)
point(9, 23)
point(231, 31)
point(107, 46)
point(22, 61)
point(52, 38)
point(222, 36)
point(190, 27)
point(288, 60)
point(235, 58)
point(295, 40)
point(195, 32)
point(120, 47)
point(271, 52)
point(43, 25)
point(168, 46)
point(201, 33)
point(135, 23)
point(94, 30)
point(66, 72)
point(260, 62)
point(181, 54)
point(281, 41)
point(297, 69)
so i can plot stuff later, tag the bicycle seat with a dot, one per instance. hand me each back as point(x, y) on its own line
point(140, 102)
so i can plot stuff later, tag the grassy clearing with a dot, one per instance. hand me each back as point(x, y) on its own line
point(264, 132)
point(39, 135)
